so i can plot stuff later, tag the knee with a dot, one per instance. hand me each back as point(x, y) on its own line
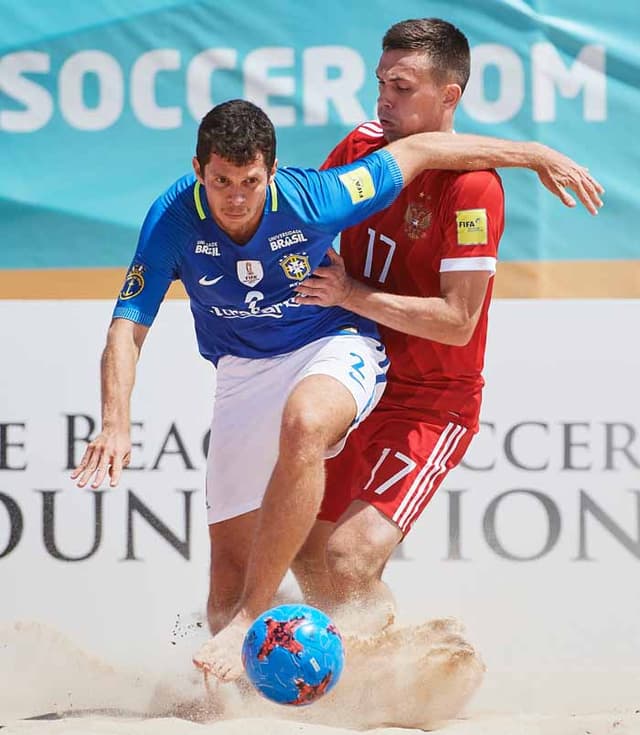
point(302, 431)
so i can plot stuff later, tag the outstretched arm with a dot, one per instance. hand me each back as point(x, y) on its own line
point(110, 451)
point(461, 152)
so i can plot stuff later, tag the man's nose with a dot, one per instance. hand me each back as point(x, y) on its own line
point(236, 196)
point(384, 99)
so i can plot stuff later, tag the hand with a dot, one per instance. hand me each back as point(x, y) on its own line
point(329, 286)
point(558, 173)
point(109, 452)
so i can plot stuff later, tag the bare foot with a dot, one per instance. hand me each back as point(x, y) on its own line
point(222, 655)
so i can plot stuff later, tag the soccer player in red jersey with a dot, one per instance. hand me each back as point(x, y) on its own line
point(423, 269)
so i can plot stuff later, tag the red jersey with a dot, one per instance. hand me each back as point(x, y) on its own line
point(443, 221)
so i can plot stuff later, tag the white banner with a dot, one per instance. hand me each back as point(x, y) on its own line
point(534, 543)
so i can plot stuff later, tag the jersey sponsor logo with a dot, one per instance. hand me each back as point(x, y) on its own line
point(206, 281)
point(206, 248)
point(417, 219)
point(250, 272)
point(359, 184)
point(295, 266)
point(252, 299)
point(286, 239)
point(133, 283)
point(472, 226)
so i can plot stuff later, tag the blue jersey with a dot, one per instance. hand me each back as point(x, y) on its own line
point(242, 296)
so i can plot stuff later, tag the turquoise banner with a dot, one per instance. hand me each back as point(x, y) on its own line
point(99, 106)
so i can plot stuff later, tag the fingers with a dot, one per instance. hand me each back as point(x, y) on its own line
point(595, 183)
point(101, 471)
point(101, 458)
point(83, 463)
point(116, 470)
point(315, 292)
point(586, 188)
point(305, 300)
point(561, 173)
point(88, 465)
point(310, 286)
point(565, 197)
point(587, 193)
point(586, 199)
point(333, 256)
point(593, 190)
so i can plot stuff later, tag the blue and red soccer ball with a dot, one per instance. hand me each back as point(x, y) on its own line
point(293, 654)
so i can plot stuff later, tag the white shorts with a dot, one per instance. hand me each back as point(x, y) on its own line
point(250, 398)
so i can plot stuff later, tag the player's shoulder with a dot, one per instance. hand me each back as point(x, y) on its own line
point(367, 137)
point(182, 202)
point(370, 130)
point(485, 181)
point(177, 211)
point(180, 191)
point(363, 139)
point(298, 193)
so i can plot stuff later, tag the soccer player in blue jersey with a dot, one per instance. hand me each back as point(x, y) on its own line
point(291, 381)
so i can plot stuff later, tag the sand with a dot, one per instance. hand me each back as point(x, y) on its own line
point(406, 680)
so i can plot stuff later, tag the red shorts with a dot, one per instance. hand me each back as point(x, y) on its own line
point(394, 462)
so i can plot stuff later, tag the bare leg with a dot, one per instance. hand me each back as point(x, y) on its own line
point(357, 553)
point(317, 414)
point(311, 569)
point(230, 542)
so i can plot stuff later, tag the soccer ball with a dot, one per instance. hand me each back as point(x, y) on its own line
point(293, 654)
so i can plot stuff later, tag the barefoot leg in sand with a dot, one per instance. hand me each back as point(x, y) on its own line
point(317, 414)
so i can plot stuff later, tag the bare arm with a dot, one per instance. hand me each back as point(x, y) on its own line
point(473, 152)
point(449, 318)
point(110, 450)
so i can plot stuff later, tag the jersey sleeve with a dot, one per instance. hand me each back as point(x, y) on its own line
point(154, 266)
point(339, 197)
point(473, 222)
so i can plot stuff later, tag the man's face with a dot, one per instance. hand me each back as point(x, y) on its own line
point(409, 99)
point(236, 194)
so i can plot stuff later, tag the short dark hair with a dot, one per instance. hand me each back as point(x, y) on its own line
point(445, 45)
point(237, 131)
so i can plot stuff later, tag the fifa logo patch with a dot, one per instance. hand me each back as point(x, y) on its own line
point(133, 283)
point(250, 272)
point(359, 184)
point(295, 266)
point(472, 226)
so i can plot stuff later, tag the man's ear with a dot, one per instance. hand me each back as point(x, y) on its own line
point(274, 168)
point(451, 95)
point(197, 170)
